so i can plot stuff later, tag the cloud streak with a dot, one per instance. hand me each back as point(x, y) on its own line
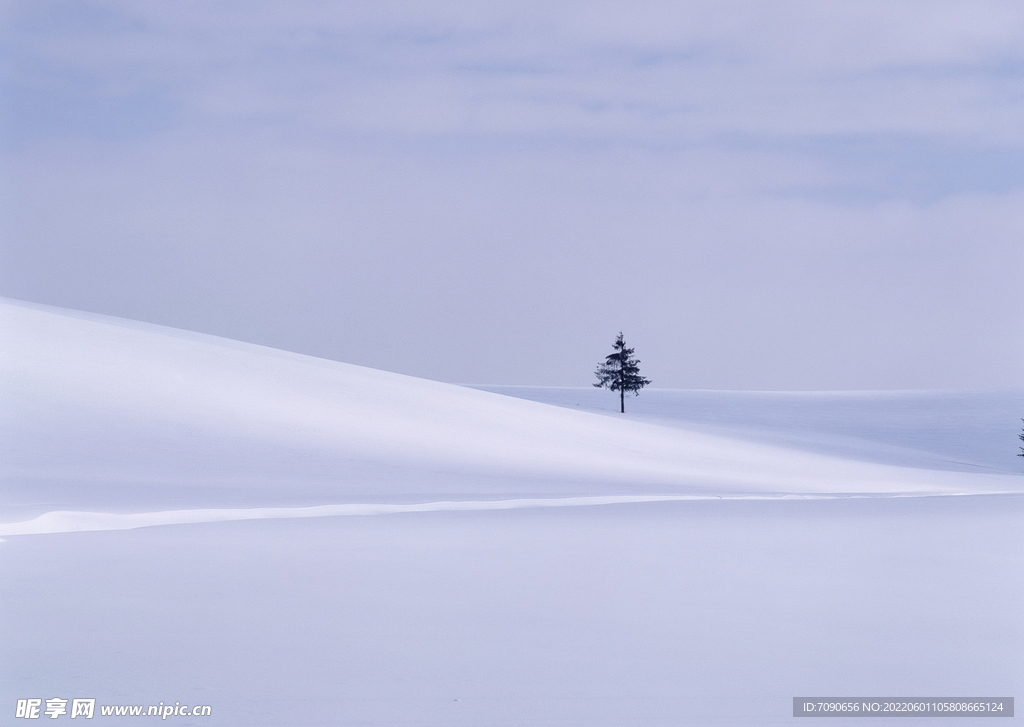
point(647, 72)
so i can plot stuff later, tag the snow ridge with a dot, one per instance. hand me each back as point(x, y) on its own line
point(72, 521)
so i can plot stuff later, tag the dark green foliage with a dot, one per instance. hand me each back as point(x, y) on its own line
point(621, 372)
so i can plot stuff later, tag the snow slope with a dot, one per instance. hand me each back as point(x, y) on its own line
point(956, 431)
point(409, 552)
point(103, 413)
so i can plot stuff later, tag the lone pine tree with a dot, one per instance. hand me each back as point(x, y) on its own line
point(621, 372)
point(1021, 436)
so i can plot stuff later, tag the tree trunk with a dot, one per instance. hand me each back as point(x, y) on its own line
point(622, 379)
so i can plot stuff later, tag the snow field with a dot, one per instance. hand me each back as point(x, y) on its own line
point(301, 542)
point(664, 613)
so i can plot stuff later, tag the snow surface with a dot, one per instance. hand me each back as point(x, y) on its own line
point(100, 411)
point(412, 552)
point(958, 431)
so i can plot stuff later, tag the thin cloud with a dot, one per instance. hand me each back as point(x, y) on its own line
point(812, 194)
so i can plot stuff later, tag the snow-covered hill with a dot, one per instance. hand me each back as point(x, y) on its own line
point(109, 414)
point(473, 588)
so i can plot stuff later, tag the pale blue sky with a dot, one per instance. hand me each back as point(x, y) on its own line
point(773, 195)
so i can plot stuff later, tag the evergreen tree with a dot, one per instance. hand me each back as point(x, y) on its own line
point(1021, 439)
point(621, 372)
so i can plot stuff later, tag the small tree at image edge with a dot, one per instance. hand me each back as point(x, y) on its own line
point(621, 372)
